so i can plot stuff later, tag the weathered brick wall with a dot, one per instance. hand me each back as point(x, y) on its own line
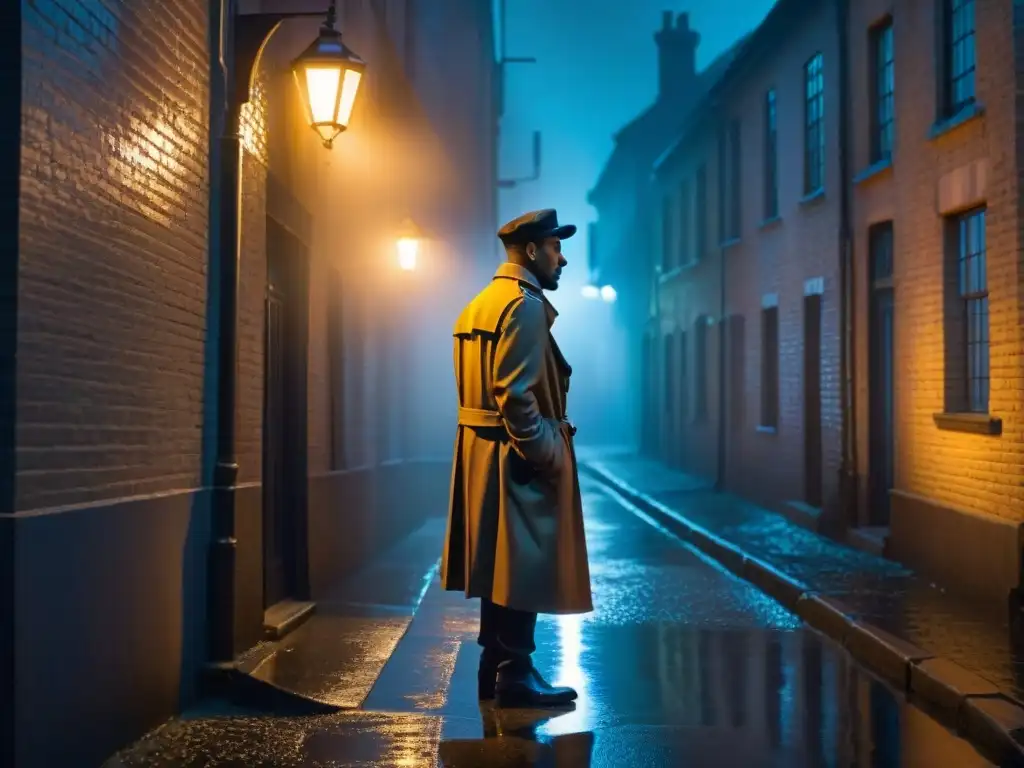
point(973, 472)
point(113, 249)
point(772, 258)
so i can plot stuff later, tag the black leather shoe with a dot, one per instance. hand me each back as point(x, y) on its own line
point(487, 674)
point(521, 686)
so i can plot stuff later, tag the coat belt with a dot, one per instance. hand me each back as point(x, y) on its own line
point(478, 417)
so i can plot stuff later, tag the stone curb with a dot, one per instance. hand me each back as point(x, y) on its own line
point(975, 707)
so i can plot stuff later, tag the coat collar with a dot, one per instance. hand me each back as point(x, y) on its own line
point(512, 271)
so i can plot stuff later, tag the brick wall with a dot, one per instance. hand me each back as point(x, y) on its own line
point(777, 258)
point(113, 249)
point(967, 471)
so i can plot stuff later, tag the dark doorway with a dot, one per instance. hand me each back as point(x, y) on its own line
point(736, 346)
point(284, 416)
point(684, 397)
point(813, 490)
point(881, 374)
point(669, 401)
point(648, 395)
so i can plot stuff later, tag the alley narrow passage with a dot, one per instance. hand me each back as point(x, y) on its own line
point(681, 663)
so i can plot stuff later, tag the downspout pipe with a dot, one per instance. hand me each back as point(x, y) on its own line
point(723, 328)
point(847, 362)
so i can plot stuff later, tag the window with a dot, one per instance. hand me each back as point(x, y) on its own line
point(735, 182)
point(700, 339)
point(666, 233)
point(880, 248)
point(669, 363)
point(958, 55)
point(729, 192)
point(770, 367)
point(723, 185)
point(967, 362)
point(883, 84)
point(771, 159)
point(685, 216)
point(701, 224)
point(814, 125)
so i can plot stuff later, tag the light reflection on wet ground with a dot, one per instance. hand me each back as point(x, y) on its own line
point(681, 664)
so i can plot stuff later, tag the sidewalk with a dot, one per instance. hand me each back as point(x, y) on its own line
point(954, 656)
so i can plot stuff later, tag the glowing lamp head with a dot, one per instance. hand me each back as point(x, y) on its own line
point(590, 291)
point(408, 245)
point(608, 293)
point(328, 75)
point(408, 250)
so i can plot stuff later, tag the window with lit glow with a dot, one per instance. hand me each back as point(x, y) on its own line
point(967, 321)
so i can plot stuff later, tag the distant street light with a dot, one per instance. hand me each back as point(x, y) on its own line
point(328, 75)
point(608, 293)
point(590, 291)
point(408, 245)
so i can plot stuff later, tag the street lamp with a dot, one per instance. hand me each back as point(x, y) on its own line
point(590, 291)
point(328, 75)
point(408, 245)
point(608, 293)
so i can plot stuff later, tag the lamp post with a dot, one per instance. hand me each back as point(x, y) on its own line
point(328, 76)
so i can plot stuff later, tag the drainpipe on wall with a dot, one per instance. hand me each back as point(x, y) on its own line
point(722, 329)
point(847, 361)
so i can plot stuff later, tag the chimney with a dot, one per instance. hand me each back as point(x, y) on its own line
point(677, 56)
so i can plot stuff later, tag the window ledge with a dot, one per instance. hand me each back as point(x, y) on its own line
point(771, 222)
point(944, 125)
point(765, 430)
point(973, 423)
point(875, 169)
point(813, 197)
point(730, 243)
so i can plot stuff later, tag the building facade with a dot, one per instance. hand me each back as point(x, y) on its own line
point(835, 329)
point(936, 200)
point(624, 240)
point(113, 252)
point(748, 297)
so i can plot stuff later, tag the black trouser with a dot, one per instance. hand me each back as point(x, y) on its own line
point(506, 634)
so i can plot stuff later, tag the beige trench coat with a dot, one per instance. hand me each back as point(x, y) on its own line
point(515, 517)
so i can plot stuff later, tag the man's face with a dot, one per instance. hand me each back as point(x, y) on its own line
point(548, 261)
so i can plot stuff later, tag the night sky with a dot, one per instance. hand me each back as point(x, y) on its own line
point(596, 70)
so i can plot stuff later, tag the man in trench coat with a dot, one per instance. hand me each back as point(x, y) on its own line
point(515, 521)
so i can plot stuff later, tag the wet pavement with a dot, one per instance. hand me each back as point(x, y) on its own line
point(681, 664)
point(880, 591)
